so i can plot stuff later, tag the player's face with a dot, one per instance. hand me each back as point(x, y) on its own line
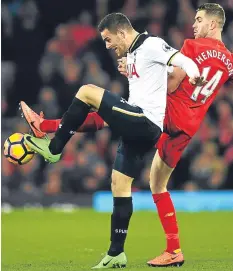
point(201, 25)
point(115, 42)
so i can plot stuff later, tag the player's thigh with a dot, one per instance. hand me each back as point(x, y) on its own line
point(126, 120)
point(121, 184)
point(170, 148)
point(130, 157)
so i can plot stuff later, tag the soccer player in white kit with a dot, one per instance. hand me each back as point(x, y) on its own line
point(139, 121)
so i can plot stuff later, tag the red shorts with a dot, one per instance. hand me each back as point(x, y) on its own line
point(180, 123)
point(170, 148)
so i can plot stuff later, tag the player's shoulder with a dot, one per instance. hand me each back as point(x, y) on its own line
point(192, 42)
point(152, 40)
point(155, 43)
point(199, 42)
point(188, 47)
point(188, 41)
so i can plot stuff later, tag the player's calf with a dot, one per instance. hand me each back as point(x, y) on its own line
point(159, 177)
point(87, 97)
point(122, 212)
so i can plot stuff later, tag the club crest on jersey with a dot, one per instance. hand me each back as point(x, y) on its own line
point(166, 47)
point(131, 70)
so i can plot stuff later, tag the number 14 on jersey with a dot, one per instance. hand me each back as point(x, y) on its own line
point(210, 86)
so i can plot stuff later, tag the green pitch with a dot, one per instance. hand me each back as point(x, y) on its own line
point(53, 241)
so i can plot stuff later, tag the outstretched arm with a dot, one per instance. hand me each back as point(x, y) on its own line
point(184, 66)
point(188, 66)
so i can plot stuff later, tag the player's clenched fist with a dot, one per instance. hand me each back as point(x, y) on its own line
point(122, 66)
point(197, 81)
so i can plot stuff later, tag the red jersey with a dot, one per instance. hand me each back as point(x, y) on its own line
point(187, 106)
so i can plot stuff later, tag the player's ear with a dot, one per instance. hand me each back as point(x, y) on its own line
point(213, 24)
point(121, 32)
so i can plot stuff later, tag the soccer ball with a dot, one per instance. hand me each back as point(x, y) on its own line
point(16, 151)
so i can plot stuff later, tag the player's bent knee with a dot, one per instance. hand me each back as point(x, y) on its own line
point(92, 86)
point(82, 92)
point(91, 95)
point(85, 93)
point(121, 184)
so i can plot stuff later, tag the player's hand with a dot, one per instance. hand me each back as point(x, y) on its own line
point(197, 81)
point(122, 62)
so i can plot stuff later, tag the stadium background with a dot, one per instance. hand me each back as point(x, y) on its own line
point(50, 49)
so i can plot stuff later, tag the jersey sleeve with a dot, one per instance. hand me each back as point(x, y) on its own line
point(157, 50)
point(187, 48)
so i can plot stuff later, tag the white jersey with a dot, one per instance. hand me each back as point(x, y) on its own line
point(147, 74)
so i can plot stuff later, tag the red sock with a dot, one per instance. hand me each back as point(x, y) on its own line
point(50, 126)
point(167, 215)
point(92, 123)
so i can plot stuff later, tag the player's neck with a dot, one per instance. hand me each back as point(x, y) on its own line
point(132, 38)
point(215, 35)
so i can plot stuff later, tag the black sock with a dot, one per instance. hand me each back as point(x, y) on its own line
point(71, 121)
point(122, 211)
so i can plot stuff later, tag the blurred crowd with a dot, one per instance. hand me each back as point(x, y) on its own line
point(51, 48)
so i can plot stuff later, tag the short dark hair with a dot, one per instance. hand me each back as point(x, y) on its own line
point(215, 10)
point(113, 22)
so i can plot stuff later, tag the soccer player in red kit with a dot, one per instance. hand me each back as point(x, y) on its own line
point(186, 108)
